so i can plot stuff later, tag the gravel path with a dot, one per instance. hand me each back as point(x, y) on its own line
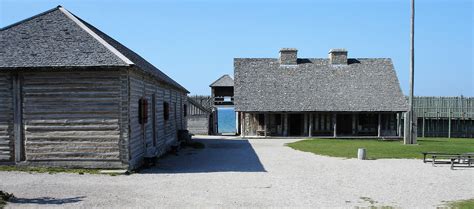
point(249, 173)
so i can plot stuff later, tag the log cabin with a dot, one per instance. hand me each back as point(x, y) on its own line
point(72, 96)
point(328, 97)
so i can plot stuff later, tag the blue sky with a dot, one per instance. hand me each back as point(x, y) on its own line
point(195, 41)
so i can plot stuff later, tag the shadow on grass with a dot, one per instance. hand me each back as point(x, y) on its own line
point(219, 155)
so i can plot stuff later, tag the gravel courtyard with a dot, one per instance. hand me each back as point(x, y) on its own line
point(257, 173)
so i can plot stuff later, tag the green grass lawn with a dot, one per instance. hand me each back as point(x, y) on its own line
point(462, 204)
point(377, 149)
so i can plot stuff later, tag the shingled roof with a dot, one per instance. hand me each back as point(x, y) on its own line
point(364, 84)
point(58, 38)
point(223, 81)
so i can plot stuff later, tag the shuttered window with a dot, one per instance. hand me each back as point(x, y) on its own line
point(166, 110)
point(142, 110)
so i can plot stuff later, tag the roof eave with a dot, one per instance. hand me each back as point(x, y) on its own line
point(95, 36)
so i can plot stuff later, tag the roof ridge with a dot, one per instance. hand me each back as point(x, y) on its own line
point(30, 18)
point(95, 35)
point(220, 78)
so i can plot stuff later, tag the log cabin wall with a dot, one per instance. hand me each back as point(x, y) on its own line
point(155, 137)
point(72, 118)
point(6, 118)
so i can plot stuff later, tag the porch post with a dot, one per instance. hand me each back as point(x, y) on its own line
point(285, 124)
point(237, 122)
point(399, 124)
point(265, 118)
point(310, 128)
point(379, 128)
point(334, 124)
point(354, 126)
point(305, 124)
point(242, 124)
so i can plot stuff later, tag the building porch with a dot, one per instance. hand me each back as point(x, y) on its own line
point(320, 124)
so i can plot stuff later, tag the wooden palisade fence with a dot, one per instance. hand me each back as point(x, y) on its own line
point(445, 116)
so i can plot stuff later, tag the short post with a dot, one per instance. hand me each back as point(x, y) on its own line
point(361, 154)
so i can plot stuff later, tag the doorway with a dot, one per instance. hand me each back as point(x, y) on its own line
point(226, 120)
point(344, 124)
point(295, 124)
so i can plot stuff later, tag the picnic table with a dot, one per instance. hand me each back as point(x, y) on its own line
point(455, 159)
point(435, 154)
point(463, 159)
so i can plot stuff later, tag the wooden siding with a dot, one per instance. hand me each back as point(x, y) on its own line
point(137, 143)
point(6, 118)
point(73, 116)
point(146, 140)
point(124, 117)
point(198, 124)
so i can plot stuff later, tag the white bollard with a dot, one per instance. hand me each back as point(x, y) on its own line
point(361, 154)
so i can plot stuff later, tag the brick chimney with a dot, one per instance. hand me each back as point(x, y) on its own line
point(288, 56)
point(338, 56)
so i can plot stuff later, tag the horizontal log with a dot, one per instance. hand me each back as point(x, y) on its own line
point(71, 133)
point(73, 110)
point(72, 121)
point(100, 138)
point(78, 89)
point(6, 148)
point(5, 157)
point(73, 143)
point(78, 116)
point(5, 152)
point(67, 155)
point(103, 94)
point(69, 99)
point(69, 104)
point(78, 149)
point(73, 128)
point(115, 86)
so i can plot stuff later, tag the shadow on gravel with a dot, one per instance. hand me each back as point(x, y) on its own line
point(47, 200)
point(219, 155)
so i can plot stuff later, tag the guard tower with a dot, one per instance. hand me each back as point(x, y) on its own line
point(222, 96)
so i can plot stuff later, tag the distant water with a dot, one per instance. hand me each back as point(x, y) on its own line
point(226, 120)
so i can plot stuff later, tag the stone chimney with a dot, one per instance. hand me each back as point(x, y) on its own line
point(338, 56)
point(288, 56)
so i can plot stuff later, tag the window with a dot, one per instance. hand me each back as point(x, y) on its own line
point(166, 110)
point(142, 110)
point(185, 110)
